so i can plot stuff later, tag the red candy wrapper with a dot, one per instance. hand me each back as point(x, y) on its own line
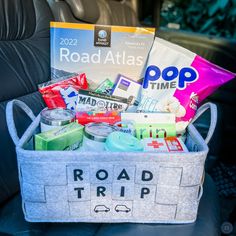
point(110, 117)
point(63, 93)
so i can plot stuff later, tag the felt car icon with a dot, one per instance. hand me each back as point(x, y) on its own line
point(101, 208)
point(122, 208)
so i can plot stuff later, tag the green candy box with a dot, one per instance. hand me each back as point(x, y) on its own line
point(67, 138)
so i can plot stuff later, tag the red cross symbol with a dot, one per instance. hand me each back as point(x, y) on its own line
point(155, 144)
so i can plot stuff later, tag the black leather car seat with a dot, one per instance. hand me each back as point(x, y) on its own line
point(24, 63)
point(108, 12)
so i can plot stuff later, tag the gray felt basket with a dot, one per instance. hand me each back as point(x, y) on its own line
point(71, 186)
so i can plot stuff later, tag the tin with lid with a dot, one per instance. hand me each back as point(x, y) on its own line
point(53, 118)
point(95, 135)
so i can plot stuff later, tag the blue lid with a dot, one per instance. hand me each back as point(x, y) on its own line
point(119, 141)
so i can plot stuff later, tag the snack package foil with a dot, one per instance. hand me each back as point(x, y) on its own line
point(177, 80)
point(63, 93)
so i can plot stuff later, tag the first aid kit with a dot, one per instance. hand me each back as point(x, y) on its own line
point(110, 186)
point(170, 144)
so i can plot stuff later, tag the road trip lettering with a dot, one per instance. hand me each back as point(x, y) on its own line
point(103, 175)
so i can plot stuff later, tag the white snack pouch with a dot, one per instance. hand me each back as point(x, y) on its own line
point(177, 80)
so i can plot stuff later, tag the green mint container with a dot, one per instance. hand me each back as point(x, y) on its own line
point(68, 137)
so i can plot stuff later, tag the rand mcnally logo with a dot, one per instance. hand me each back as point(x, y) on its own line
point(102, 36)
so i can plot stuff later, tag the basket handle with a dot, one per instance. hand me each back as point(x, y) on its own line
point(10, 117)
point(201, 186)
point(213, 110)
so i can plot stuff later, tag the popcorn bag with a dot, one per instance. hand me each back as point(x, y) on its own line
point(177, 81)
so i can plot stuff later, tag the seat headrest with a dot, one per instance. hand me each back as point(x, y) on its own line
point(17, 20)
point(85, 10)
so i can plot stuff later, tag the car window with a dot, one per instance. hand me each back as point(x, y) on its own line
point(216, 18)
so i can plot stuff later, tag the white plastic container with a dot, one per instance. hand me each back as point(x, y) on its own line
point(53, 118)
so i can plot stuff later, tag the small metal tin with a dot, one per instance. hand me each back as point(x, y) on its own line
point(52, 118)
point(98, 131)
point(95, 135)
